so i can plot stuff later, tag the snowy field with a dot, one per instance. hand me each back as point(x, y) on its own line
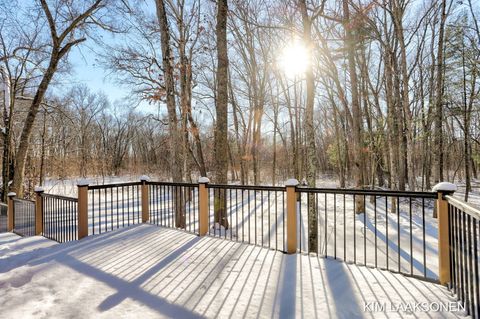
point(150, 272)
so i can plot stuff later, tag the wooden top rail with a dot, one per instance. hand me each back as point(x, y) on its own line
point(467, 208)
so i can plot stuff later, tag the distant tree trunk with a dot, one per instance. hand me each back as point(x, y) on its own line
point(8, 106)
point(408, 127)
point(174, 132)
point(438, 129)
point(221, 107)
point(311, 159)
point(359, 162)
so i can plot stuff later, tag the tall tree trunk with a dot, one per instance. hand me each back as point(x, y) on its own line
point(221, 107)
point(438, 128)
point(311, 159)
point(359, 162)
point(174, 132)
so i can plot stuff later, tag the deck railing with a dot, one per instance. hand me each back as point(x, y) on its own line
point(377, 228)
point(390, 230)
point(464, 253)
point(173, 205)
point(60, 217)
point(24, 217)
point(253, 214)
point(113, 206)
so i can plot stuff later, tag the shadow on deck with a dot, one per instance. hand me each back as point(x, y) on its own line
point(149, 271)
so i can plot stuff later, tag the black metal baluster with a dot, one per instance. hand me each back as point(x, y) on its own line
point(344, 230)
point(276, 220)
point(249, 216)
point(116, 208)
point(354, 232)
point(261, 212)
point(283, 214)
point(364, 232)
point(236, 214)
point(255, 213)
point(398, 233)
point(269, 223)
point(411, 235)
point(139, 207)
point(451, 244)
point(477, 282)
point(470, 264)
point(334, 226)
point(464, 262)
point(386, 230)
point(375, 217)
point(301, 221)
point(326, 225)
point(457, 249)
point(423, 237)
point(243, 217)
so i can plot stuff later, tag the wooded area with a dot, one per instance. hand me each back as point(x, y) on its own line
point(379, 93)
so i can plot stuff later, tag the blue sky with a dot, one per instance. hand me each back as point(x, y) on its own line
point(86, 70)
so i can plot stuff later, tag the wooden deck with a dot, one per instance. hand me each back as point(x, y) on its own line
point(149, 272)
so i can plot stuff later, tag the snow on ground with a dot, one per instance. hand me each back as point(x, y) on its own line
point(149, 272)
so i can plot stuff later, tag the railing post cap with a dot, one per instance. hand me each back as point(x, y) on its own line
point(39, 189)
point(12, 194)
point(144, 178)
point(445, 187)
point(83, 182)
point(203, 180)
point(291, 182)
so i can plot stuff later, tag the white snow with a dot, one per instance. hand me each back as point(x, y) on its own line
point(291, 182)
point(203, 180)
point(146, 271)
point(445, 186)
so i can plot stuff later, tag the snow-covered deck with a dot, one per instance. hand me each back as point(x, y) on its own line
point(146, 271)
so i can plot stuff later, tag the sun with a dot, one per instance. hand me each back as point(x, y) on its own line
point(294, 59)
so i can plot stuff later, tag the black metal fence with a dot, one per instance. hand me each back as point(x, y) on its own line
point(24, 217)
point(174, 205)
point(60, 218)
point(381, 229)
point(113, 206)
point(464, 252)
point(254, 214)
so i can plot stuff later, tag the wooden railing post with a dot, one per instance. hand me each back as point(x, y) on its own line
point(11, 211)
point(82, 209)
point(145, 208)
point(38, 211)
point(443, 189)
point(291, 185)
point(203, 206)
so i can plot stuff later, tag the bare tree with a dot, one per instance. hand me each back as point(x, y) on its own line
point(221, 106)
point(63, 36)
